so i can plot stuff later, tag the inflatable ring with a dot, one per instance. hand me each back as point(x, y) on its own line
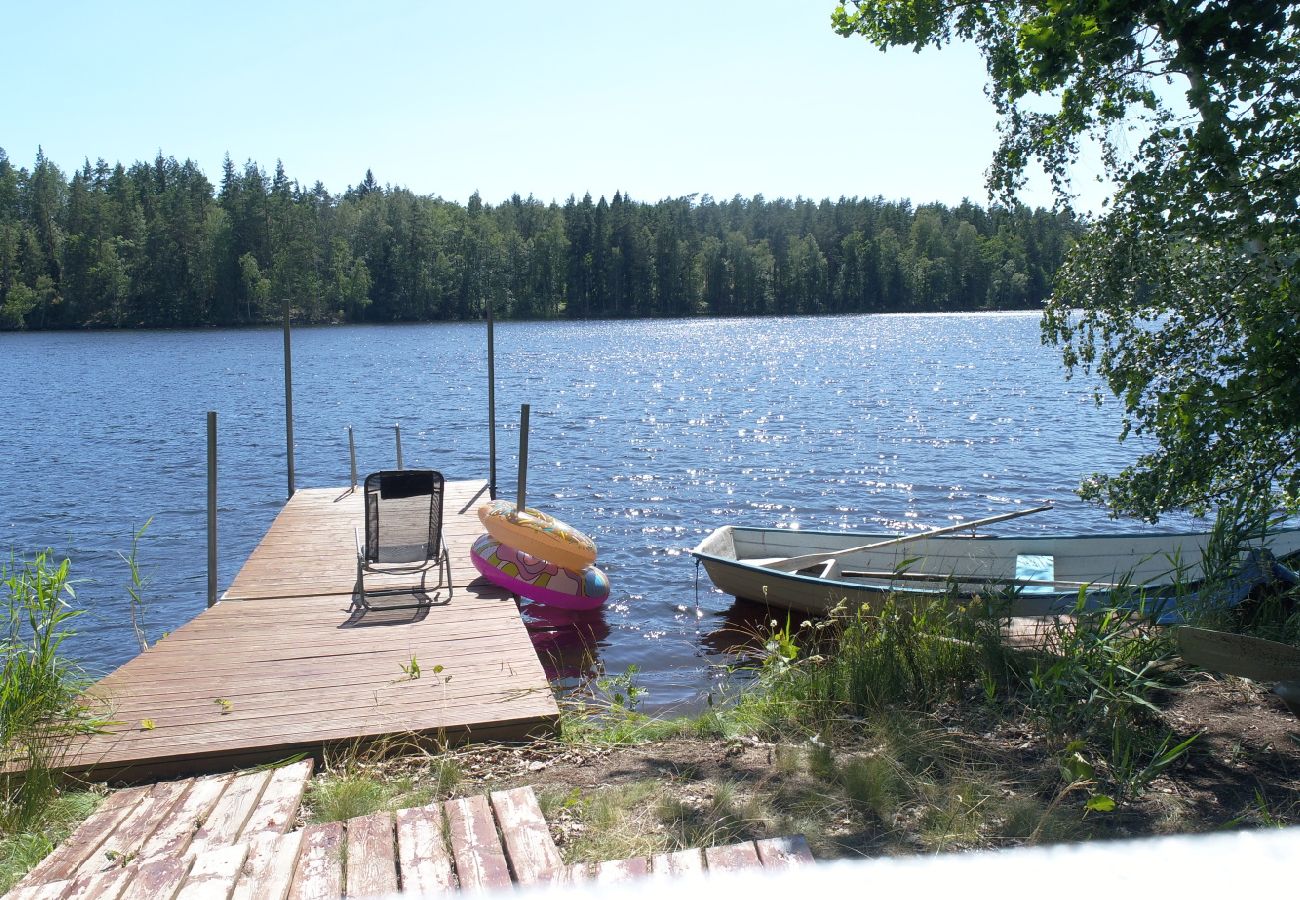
point(538, 534)
point(526, 575)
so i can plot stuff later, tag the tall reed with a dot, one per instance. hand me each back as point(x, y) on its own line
point(40, 708)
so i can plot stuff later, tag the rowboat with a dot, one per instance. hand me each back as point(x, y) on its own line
point(1038, 574)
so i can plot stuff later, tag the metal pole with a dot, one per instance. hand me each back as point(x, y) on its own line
point(397, 431)
point(212, 508)
point(523, 456)
point(352, 454)
point(288, 397)
point(492, 406)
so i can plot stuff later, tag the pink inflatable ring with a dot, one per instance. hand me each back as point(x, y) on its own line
point(526, 575)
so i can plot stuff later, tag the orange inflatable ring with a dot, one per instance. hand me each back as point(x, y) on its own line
point(538, 534)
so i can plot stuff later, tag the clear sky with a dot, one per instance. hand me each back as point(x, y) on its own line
point(655, 99)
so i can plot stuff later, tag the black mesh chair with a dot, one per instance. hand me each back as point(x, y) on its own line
point(403, 535)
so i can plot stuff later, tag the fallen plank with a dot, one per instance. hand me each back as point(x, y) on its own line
point(480, 861)
point(174, 834)
point(268, 869)
point(680, 862)
point(158, 879)
point(64, 861)
point(422, 853)
point(226, 822)
point(531, 851)
point(106, 884)
point(371, 858)
point(616, 871)
point(319, 874)
point(127, 840)
point(278, 807)
point(732, 857)
point(784, 852)
point(213, 875)
point(47, 890)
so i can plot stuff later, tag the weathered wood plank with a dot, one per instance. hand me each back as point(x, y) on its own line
point(226, 821)
point(173, 835)
point(278, 807)
point(679, 862)
point(616, 871)
point(480, 861)
point(422, 855)
point(732, 857)
point(158, 879)
point(529, 848)
point(127, 840)
point(105, 884)
point(319, 875)
point(268, 870)
point(371, 857)
point(784, 852)
point(214, 873)
point(47, 890)
point(62, 864)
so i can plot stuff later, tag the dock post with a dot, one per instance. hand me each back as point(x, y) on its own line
point(288, 398)
point(523, 456)
point(397, 433)
point(352, 455)
point(212, 508)
point(492, 406)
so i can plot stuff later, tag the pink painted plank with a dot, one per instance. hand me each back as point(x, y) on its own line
point(784, 852)
point(277, 809)
point(172, 838)
point(127, 840)
point(528, 844)
point(680, 862)
point(67, 858)
point(618, 870)
point(480, 861)
point(372, 859)
point(214, 873)
point(106, 884)
point(422, 853)
point(158, 879)
point(46, 890)
point(268, 870)
point(732, 857)
point(319, 875)
point(225, 823)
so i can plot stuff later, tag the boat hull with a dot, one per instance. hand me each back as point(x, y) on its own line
point(1163, 570)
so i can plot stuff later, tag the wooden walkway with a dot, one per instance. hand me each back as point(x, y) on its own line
point(284, 665)
point(233, 836)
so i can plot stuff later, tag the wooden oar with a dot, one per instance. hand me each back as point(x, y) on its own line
point(795, 563)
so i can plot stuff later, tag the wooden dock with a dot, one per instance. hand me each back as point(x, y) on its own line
point(284, 664)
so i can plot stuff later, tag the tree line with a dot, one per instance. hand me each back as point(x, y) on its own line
point(158, 245)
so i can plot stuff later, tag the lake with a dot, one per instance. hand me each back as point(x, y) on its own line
point(645, 434)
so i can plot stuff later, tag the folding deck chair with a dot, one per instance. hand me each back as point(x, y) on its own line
point(403, 535)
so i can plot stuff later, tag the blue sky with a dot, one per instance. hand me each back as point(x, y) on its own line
point(655, 99)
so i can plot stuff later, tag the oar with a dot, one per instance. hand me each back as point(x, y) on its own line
point(795, 563)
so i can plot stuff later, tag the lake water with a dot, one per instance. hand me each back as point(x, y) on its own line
point(645, 434)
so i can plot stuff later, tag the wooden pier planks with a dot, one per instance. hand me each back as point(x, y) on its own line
point(475, 844)
point(154, 841)
point(283, 664)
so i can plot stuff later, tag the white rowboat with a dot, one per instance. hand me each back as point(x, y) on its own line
point(1041, 574)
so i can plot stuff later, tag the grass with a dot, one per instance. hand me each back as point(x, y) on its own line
point(39, 712)
point(362, 781)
